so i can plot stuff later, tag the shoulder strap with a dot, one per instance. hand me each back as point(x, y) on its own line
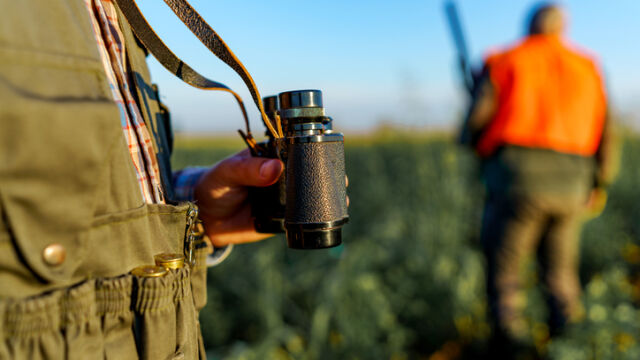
point(180, 69)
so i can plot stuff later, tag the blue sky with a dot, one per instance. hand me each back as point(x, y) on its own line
point(376, 61)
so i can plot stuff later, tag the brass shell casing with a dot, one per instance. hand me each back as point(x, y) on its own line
point(170, 260)
point(149, 271)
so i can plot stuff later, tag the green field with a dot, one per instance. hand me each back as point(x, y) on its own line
point(408, 283)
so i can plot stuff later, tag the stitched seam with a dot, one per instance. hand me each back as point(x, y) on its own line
point(70, 61)
point(136, 218)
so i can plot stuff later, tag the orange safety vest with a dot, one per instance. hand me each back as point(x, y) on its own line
point(548, 96)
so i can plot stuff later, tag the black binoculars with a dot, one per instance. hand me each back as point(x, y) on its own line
point(309, 201)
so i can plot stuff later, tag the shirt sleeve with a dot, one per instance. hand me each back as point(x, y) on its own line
point(184, 182)
point(219, 255)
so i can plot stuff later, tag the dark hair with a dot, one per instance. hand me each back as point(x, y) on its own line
point(536, 14)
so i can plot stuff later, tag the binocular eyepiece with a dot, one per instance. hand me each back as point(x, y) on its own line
point(309, 200)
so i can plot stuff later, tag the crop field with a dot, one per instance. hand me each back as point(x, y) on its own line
point(408, 283)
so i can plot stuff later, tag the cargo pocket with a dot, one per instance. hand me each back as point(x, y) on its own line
point(114, 303)
point(199, 274)
point(81, 323)
point(165, 319)
point(155, 316)
point(56, 138)
point(187, 329)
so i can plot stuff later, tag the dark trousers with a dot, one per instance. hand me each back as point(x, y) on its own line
point(516, 228)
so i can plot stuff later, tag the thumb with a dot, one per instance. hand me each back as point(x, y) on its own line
point(248, 171)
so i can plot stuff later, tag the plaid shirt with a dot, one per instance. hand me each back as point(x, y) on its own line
point(110, 42)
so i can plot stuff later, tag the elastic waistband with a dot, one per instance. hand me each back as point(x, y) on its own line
point(96, 298)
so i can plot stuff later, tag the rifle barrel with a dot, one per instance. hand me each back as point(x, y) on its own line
point(459, 39)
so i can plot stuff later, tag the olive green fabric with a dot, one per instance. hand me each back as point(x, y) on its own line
point(516, 230)
point(604, 163)
point(535, 201)
point(66, 177)
point(100, 319)
point(530, 171)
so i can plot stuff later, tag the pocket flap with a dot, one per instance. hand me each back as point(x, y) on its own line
point(51, 158)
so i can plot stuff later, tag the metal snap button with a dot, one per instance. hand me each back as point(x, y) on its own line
point(54, 254)
point(170, 260)
point(149, 271)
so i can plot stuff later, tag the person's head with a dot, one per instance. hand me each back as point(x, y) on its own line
point(546, 19)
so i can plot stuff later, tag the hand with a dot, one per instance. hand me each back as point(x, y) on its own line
point(596, 202)
point(221, 195)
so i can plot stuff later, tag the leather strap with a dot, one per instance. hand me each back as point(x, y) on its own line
point(182, 70)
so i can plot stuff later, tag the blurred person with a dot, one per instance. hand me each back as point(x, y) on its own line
point(87, 194)
point(538, 121)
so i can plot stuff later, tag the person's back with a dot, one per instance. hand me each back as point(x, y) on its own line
point(549, 118)
point(549, 96)
point(538, 122)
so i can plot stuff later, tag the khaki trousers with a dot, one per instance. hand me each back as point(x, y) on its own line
point(516, 228)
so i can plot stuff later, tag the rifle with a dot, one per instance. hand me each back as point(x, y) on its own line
point(457, 32)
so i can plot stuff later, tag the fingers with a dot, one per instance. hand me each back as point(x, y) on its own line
point(222, 194)
point(237, 229)
point(241, 170)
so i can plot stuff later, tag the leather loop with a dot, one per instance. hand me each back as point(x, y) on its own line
point(182, 70)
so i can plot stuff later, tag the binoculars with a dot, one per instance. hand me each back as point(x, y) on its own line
point(309, 201)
